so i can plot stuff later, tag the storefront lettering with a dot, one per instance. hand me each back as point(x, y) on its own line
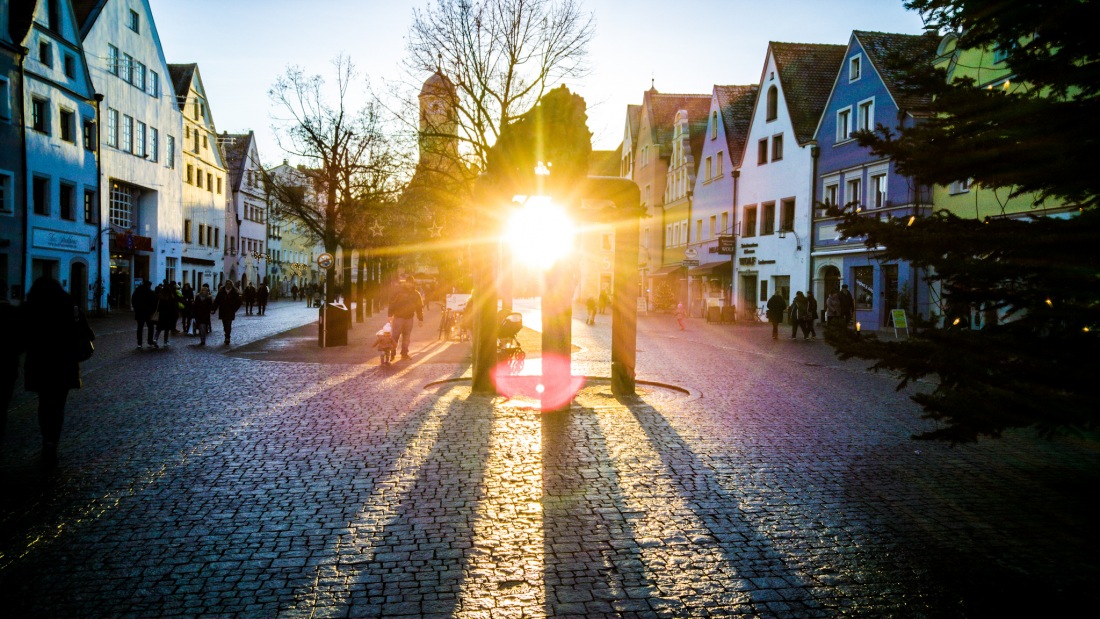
point(64, 241)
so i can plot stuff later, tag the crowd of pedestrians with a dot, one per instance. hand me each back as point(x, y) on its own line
point(162, 311)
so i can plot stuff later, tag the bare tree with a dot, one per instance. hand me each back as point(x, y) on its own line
point(501, 56)
point(350, 170)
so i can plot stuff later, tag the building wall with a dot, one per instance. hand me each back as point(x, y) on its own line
point(763, 257)
point(153, 182)
point(204, 190)
point(714, 202)
point(12, 201)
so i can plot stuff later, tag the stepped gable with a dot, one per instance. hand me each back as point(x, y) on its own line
point(807, 72)
point(662, 116)
point(889, 53)
point(736, 104)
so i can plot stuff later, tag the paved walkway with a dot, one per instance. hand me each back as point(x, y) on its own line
point(275, 478)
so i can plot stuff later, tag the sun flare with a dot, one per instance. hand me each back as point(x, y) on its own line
point(540, 233)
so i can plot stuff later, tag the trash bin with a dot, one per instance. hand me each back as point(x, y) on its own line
point(335, 322)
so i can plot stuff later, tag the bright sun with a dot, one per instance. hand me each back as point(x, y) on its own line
point(540, 233)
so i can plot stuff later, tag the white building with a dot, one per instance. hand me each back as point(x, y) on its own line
point(60, 147)
point(776, 173)
point(140, 203)
point(204, 182)
point(246, 215)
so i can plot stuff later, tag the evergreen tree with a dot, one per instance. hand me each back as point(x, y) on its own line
point(1042, 275)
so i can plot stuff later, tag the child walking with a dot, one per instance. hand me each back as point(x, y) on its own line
point(385, 344)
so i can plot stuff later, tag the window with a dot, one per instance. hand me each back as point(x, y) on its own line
point(210, 236)
point(7, 191)
point(135, 22)
point(112, 59)
point(205, 144)
point(844, 124)
point(718, 163)
point(53, 15)
point(154, 84)
point(154, 144)
point(40, 115)
point(89, 206)
point(127, 133)
point(66, 193)
point(219, 184)
point(713, 125)
point(89, 135)
point(40, 195)
point(748, 224)
point(762, 152)
point(878, 187)
point(777, 147)
point(197, 107)
point(195, 135)
point(773, 104)
point(121, 208)
point(198, 178)
point(112, 127)
point(202, 234)
point(127, 68)
point(767, 225)
point(713, 226)
point(45, 55)
point(139, 75)
point(209, 182)
point(831, 194)
point(217, 237)
point(170, 152)
point(170, 266)
point(5, 99)
point(709, 169)
point(190, 174)
point(854, 196)
point(855, 67)
point(960, 186)
point(141, 145)
point(67, 125)
point(864, 292)
point(865, 119)
point(786, 215)
point(69, 62)
point(725, 223)
point(186, 230)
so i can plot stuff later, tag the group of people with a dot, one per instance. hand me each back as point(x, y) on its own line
point(159, 310)
point(54, 333)
point(593, 305)
point(406, 304)
point(803, 311)
point(307, 291)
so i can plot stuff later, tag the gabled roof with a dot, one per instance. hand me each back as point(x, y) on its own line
point(807, 72)
point(634, 120)
point(736, 104)
point(889, 53)
point(86, 12)
point(181, 75)
point(235, 147)
point(661, 110)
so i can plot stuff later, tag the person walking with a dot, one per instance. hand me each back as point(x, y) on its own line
point(167, 313)
point(847, 305)
point(797, 315)
point(590, 305)
point(294, 292)
point(262, 295)
point(226, 305)
point(187, 295)
point(775, 307)
point(811, 315)
point(604, 301)
point(249, 298)
point(405, 304)
point(680, 315)
point(144, 303)
point(201, 309)
point(52, 369)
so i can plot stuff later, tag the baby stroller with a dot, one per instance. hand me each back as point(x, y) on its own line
point(508, 349)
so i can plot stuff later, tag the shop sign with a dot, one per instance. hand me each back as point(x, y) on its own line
point(726, 245)
point(64, 241)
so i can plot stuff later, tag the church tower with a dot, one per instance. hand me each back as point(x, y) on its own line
point(438, 123)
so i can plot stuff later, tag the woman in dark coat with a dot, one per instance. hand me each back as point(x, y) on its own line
point(776, 305)
point(168, 307)
point(51, 368)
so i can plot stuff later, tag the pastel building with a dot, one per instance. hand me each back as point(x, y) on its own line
point(866, 94)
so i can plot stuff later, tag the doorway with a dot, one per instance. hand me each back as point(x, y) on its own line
point(78, 284)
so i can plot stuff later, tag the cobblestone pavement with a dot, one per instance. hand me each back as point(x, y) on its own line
point(275, 478)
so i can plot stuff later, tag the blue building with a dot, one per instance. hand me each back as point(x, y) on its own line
point(866, 94)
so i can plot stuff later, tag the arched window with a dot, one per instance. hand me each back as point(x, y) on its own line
point(713, 125)
point(773, 103)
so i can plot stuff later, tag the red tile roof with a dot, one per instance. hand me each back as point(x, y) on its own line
point(807, 72)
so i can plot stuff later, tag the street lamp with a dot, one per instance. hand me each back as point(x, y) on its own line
point(798, 240)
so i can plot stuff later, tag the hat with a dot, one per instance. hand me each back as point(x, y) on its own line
point(844, 286)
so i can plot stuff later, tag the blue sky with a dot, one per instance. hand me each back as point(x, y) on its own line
point(684, 46)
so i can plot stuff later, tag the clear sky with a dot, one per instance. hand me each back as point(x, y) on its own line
point(683, 46)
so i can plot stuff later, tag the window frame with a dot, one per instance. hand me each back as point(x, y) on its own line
point(7, 192)
point(787, 211)
point(850, 198)
point(134, 22)
point(66, 125)
point(767, 218)
point(863, 290)
point(40, 205)
point(40, 114)
point(865, 121)
point(777, 147)
point(844, 121)
point(66, 207)
point(857, 62)
point(762, 151)
point(91, 206)
point(748, 216)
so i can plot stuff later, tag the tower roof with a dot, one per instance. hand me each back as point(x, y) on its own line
point(438, 85)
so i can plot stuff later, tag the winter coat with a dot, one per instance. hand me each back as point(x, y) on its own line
point(49, 364)
point(201, 308)
point(168, 306)
point(262, 293)
point(776, 305)
point(227, 303)
point(12, 340)
point(406, 303)
point(144, 303)
point(811, 309)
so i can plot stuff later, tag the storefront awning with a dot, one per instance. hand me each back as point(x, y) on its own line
point(713, 268)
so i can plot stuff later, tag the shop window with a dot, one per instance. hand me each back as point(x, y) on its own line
point(864, 292)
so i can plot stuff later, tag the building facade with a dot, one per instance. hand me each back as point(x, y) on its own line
point(140, 204)
point(14, 24)
point(246, 215)
point(865, 95)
